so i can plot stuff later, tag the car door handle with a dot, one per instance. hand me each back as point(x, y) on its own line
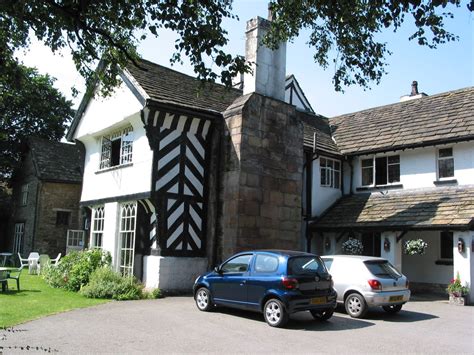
point(243, 283)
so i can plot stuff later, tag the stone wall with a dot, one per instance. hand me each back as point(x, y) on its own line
point(262, 176)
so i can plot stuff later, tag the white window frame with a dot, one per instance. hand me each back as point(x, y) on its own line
point(24, 194)
point(126, 242)
point(19, 233)
point(330, 172)
point(438, 158)
point(75, 239)
point(374, 170)
point(125, 135)
point(97, 227)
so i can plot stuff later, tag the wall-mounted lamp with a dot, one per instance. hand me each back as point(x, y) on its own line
point(461, 245)
point(386, 245)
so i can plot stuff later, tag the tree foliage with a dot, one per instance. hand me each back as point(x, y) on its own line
point(343, 32)
point(29, 105)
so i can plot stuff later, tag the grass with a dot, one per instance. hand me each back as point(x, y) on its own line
point(36, 299)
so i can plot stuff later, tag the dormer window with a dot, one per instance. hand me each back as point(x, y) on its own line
point(117, 148)
point(445, 163)
point(382, 170)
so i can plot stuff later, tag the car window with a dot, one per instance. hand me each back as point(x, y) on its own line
point(266, 263)
point(327, 263)
point(237, 264)
point(382, 269)
point(305, 264)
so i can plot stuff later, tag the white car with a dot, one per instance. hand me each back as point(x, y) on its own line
point(364, 281)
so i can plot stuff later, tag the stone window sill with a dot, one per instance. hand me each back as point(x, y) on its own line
point(380, 187)
point(113, 168)
point(445, 182)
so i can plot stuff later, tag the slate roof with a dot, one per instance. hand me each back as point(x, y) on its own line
point(437, 208)
point(56, 161)
point(168, 86)
point(317, 124)
point(441, 118)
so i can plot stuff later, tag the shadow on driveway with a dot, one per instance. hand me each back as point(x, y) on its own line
point(404, 316)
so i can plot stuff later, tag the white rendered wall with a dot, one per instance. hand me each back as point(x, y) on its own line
point(418, 167)
point(109, 240)
point(422, 268)
point(172, 273)
point(464, 262)
point(323, 197)
point(103, 116)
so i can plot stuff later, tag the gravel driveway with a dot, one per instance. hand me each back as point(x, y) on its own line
point(174, 325)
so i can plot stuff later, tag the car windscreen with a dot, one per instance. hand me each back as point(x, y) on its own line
point(300, 265)
point(383, 269)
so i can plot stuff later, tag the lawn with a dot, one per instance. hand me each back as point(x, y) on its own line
point(36, 299)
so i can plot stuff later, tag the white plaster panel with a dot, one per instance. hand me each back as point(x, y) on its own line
point(109, 238)
point(323, 197)
point(464, 163)
point(422, 268)
point(126, 180)
point(172, 273)
point(464, 262)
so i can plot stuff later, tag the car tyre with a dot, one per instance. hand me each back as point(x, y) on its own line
point(395, 308)
point(275, 313)
point(322, 315)
point(203, 299)
point(355, 305)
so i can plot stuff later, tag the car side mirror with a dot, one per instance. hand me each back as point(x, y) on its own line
point(217, 269)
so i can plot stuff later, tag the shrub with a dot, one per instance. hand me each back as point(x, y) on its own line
point(455, 287)
point(106, 283)
point(73, 270)
point(415, 247)
point(352, 246)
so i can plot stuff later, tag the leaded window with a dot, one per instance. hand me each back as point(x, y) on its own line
point(97, 226)
point(128, 215)
point(117, 148)
point(445, 163)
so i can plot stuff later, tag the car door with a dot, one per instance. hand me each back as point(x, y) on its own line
point(229, 285)
point(263, 276)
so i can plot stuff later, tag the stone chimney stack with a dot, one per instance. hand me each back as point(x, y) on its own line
point(414, 93)
point(268, 66)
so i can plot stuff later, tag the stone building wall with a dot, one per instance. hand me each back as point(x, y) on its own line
point(50, 238)
point(262, 176)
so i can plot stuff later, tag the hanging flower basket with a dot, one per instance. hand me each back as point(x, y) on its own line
point(352, 246)
point(415, 247)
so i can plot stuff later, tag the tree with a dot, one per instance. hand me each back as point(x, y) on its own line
point(29, 105)
point(110, 31)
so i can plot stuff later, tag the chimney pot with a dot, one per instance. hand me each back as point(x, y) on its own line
point(414, 88)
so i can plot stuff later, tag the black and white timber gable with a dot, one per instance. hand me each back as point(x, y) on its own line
point(179, 181)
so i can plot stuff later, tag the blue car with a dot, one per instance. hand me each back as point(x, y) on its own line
point(274, 282)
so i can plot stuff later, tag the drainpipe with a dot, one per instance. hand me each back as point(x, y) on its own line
point(309, 195)
point(351, 190)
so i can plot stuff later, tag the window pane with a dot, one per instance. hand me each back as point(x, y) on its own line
point(115, 155)
point(446, 245)
point(394, 159)
point(367, 176)
point(446, 168)
point(337, 166)
point(336, 179)
point(367, 163)
point(238, 264)
point(323, 177)
point(394, 173)
point(266, 263)
point(446, 152)
point(381, 171)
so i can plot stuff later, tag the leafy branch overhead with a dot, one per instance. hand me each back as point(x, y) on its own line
point(111, 30)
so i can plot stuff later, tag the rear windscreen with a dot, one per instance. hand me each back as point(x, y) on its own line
point(305, 264)
point(382, 268)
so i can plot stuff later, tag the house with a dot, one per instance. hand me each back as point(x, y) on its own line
point(401, 172)
point(45, 199)
point(179, 175)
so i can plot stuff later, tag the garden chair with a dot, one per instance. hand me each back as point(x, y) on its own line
point(15, 275)
point(55, 261)
point(23, 262)
point(4, 281)
point(42, 262)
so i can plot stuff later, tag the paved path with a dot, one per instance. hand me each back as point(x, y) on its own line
point(174, 325)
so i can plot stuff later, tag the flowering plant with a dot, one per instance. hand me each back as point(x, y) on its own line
point(352, 246)
point(456, 289)
point(415, 247)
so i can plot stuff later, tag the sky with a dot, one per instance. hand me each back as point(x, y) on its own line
point(449, 67)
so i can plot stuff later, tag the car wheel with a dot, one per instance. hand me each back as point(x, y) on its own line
point(356, 306)
point(275, 313)
point(203, 299)
point(392, 308)
point(322, 315)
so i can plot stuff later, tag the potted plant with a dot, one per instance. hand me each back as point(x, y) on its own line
point(457, 292)
point(352, 246)
point(415, 247)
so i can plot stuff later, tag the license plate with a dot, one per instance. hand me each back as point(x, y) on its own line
point(318, 300)
point(395, 298)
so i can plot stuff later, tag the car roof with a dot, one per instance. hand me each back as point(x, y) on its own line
point(353, 257)
point(279, 252)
